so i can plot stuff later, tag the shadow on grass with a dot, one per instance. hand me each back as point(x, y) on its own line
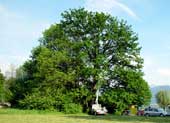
point(141, 119)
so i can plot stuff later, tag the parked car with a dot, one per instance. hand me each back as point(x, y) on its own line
point(126, 112)
point(167, 109)
point(154, 112)
point(140, 112)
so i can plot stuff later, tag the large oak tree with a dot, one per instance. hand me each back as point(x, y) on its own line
point(87, 51)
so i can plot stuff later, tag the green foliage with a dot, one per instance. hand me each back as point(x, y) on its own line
point(163, 98)
point(128, 89)
point(37, 101)
point(117, 100)
point(20, 85)
point(40, 100)
point(5, 93)
point(72, 108)
point(2, 80)
point(46, 100)
point(132, 82)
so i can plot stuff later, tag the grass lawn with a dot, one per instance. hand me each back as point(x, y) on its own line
point(27, 116)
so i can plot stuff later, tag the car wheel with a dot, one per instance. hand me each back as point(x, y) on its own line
point(147, 115)
point(161, 115)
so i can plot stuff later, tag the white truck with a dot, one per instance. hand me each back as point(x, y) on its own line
point(98, 109)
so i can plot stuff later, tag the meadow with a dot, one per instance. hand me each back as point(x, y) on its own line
point(35, 116)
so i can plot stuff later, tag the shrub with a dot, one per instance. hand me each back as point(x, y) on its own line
point(36, 101)
point(50, 101)
point(72, 108)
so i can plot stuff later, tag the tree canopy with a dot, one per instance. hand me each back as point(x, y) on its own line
point(84, 52)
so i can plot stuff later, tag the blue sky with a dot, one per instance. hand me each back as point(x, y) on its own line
point(23, 21)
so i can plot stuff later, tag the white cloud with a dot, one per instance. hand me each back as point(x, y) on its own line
point(155, 73)
point(109, 6)
point(164, 72)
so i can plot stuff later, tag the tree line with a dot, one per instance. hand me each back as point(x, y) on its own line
point(84, 52)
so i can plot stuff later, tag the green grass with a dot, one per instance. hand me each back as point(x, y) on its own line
point(26, 112)
point(34, 116)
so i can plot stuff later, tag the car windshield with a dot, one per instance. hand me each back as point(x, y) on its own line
point(161, 109)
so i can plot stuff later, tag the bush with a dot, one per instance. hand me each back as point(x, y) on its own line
point(72, 108)
point(116, 100)
point(37, 101)
point(50, 101)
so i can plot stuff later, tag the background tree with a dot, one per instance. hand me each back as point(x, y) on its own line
point(85, 52)
point(5, 93)
point(163, 98)
point(2, 94)
point(19, 85)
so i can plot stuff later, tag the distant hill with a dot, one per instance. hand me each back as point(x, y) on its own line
point(156, 89)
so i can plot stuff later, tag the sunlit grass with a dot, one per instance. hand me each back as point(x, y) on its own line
point(34, 116)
